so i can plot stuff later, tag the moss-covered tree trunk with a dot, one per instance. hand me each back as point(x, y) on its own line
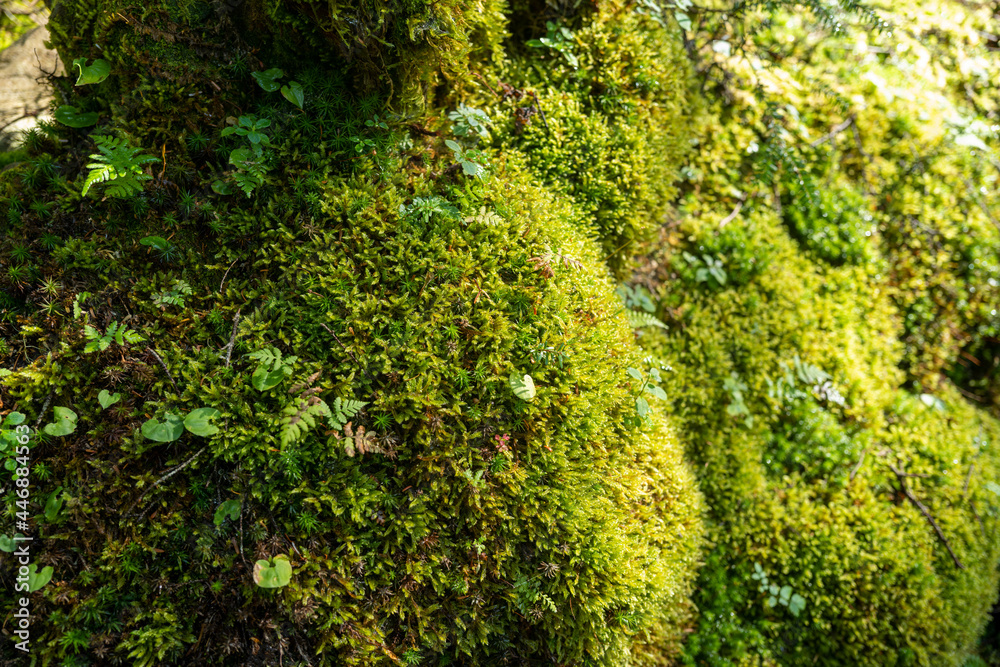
point(332, 317)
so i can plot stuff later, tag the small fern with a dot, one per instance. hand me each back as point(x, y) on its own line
point(114, 333)
point(300, 417)
point(119, 165)
point(342, 411)
point(638, 319)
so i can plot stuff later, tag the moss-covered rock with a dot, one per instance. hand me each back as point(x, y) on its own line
point(459, 517)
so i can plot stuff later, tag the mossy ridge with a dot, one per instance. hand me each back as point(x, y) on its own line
point(584, 512)
point(805, 487)
point(807, 490)
point(608, 131)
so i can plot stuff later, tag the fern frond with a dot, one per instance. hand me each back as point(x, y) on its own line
point(299, 417)
point(343, 410)
point(638, 319)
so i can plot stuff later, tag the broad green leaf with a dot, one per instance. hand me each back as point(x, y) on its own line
point(683, 20)
point(268, 79)
point(8, 544)
point(294, 93)
point(70, 116)
point(796, 604)
point(634, 372)
point(157, 242)
point(453, 145)
point(165, 429)
point(38, 579)
point(201, 421)
point(230, 508)
point(274, 573)
point(523, 386)
point(13, 419)
point(641, 407)
point(223, 188)
point(64, 424)
point(94, 73)
point(656, 391)
point(53, 506)
point(263, 379)
point(107, 399)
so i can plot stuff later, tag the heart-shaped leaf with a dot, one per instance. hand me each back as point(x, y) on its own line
point(201, 421)
point(53, 506)
point(230, 508)
point(94, 73)
point(523, 386)
point(71, 116)
point(268, 79)
point(797, 604)
point(294, 93)
point(107, 399)
point(38, 579)
point(64, 424)
point(274, 573)
point(8, 544)
point(164, 429)
point(13, 419)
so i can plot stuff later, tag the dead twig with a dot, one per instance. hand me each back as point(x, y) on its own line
point(232, 338)
point(165, 477)
point(837, 129)
point(165, 369)
point(857, 467)
point(732, 216)
point(901, 475)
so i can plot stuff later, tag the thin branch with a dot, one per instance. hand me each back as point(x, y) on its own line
point(901, 476)
point(858, 466)
point(732, 216)
point(232, 338)
point(226, 274)
point(837, 129)
point(165, 369)
point(349, 353)
point(165, 477)
point(540, 110)
point(45, 408)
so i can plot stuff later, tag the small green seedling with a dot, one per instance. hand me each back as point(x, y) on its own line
point(9, 544)
point(107, 399)
point(167, 428)
point(202, 421)
point(70, 116)
point(641, 404)
point(273, 573)
point(268, 79)
point(229, 508)
point(273, 368)
point(523, 386)
point(294, 93)
point(95, 72)
point(64, 424)
point(36, 579)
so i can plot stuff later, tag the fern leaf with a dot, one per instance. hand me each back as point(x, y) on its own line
point(638, 319)
point(343, 410)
